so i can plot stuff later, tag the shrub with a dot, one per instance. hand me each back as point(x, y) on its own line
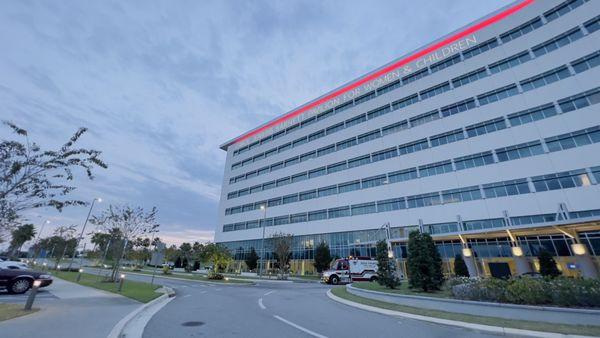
point(215, 275)
point(460, 267)
point(386, 271)
point(560, 291)
point(424, 262)
point(166, 270)
point(548, 266)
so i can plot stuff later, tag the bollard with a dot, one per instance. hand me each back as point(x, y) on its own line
point(79, 275)
point(31, 298)
point(121, 281)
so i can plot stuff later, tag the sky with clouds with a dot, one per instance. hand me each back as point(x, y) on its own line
point(161, 84)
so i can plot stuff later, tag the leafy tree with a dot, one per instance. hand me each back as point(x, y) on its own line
point(460, 267)
point(131, 224)
point(548, 266)
point(178, 262)
point(424, 262)
point(282, 248)
point(185, 249)
point(252, 259)
point(386, 270)
point(19, 236)
point(33, 178)
point(322, 257)
point(63, 241)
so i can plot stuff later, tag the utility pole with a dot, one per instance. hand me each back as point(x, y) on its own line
point(263, 207)
point(82, 230)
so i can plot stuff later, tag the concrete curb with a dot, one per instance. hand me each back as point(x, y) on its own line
point(132, 325)
point(479, 327)
point(473, 302)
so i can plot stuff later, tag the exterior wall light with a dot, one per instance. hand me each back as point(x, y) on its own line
point(517, 251)
point(467, 252)
point(578, 249)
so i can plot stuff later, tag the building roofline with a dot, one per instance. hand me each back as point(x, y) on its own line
point(457, 34)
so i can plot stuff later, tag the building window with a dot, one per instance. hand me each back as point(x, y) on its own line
point(435, 90)
point(546, 78)
point(307, 195)
point(461, 195)
point(356, 120)
point(346, 143)
point(423, 200)
point(563, 9)
point(586, 62)
point(506, 188)
point(458, 107)
point(519, 151)
point(557, 42)
point(424, 118)
point(308, 156)
point(317, 172)
point(334, 128)
point(498, 94)
point(533, 114)
point(509, 62)
point(411, 147)
point(389, 87)
point(317, 215)
point(391, 204)
point(394, 128)
point(336, 167)
point(480, 48)
point(290, 199)
point(579, 101)
point(369, 136)
point(484, 224)
point(521, 30)
point(325, 150)
point(378, 112)
point(407, 101)
point(365, 208)
point(564, 180)
point(435, 168)
point(365, 97)
point(403, 175)
point(472, 161)
point(281, 220)
point(284, 181)
point(358, 161)
point(486, 127)
point(384, 154)
point(592, 25)
point(374, 181)
point(347, 187)
point(448, 137)
point(575, 139)
point(327, 191)
point(415, 76)
point(338, 212)
point(444, 63)
point(469, 77)
point(298, 218)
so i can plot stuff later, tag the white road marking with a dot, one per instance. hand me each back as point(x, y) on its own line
point(217, 289)
point(186, 296)
point(260, 303)
point(305, 330)
point(203, 292)
point(268, 293)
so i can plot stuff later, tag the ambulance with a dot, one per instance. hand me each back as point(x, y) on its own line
point(348, 270)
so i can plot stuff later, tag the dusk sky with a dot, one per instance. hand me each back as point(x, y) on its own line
point(161, 84)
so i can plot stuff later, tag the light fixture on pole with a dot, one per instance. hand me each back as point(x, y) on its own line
point(263, 207)
point(99, 200)
point(32, 293)
point(121, 281)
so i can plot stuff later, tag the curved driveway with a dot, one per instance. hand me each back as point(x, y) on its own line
point(276, 309)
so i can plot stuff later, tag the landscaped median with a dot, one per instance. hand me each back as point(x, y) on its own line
point(140, 291)
point(494, 324)
point(190, 276)
point(10, 311)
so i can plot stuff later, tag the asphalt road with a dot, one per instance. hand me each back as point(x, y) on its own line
point(276, 309)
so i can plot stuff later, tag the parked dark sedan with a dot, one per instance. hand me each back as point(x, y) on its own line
point(19, 281)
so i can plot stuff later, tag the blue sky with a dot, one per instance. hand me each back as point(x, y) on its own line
point(161, 84)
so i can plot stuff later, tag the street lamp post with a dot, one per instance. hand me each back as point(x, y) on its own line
point(82, 230)
point(263, 207)
point(37, 241)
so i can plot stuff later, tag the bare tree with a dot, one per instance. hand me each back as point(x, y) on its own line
point(32, 178)
point(282, 247)
point(130, 222)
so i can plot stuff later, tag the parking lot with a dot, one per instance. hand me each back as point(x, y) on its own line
point(42, 295)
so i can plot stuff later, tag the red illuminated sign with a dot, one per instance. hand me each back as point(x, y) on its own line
point(432, 48)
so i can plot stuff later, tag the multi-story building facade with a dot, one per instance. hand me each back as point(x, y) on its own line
point(488, 139)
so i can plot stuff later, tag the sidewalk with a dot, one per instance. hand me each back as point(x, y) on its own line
point(507, 311)
point(77, 311)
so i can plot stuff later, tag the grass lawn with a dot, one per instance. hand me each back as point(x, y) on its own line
point(140, 291)
point(493, 321)
point(10, 311)
point(190, 276)
point(403, 289)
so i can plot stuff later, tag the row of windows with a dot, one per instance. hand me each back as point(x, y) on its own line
point(563, 9)
point(476, 50)
point(562, 180)
point(544, 111)
point(537, 81)
point(528, 149)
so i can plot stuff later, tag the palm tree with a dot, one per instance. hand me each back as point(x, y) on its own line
point(20, 235)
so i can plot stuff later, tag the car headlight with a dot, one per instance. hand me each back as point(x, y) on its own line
point(45, 277)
